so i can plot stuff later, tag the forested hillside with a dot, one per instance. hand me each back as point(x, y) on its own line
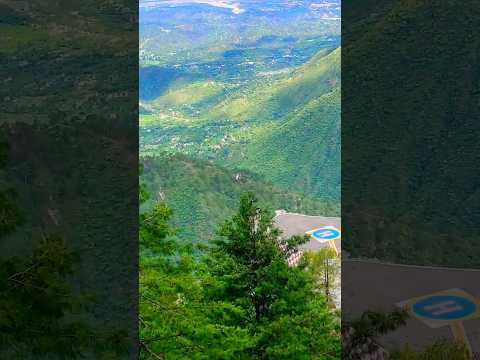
point(415, 203)
point(239, 300)
point(303, 152)
point(284, 127)
point(202, 194)
point(56, 100)
point(263, 101)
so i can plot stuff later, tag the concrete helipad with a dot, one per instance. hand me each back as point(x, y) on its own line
point(298, 224)
point(368, 285)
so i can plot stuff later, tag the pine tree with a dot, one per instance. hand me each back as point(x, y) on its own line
point(240, 301)
point(286, 316)
point(176, 320)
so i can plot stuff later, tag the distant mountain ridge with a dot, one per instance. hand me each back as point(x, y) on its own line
point(178, 31)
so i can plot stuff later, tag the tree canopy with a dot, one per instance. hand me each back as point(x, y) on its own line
point(238, 300)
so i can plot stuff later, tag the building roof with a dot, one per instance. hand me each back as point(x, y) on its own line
point(297, 224)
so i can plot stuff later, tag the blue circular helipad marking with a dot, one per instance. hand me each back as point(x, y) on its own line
point(445, 307)
point(326, 234)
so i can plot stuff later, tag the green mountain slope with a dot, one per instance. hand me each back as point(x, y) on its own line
point(284, 127)
point(203, 194)
point(271, 100)
point(303, 152)
point(301, 149)
point(419, 106)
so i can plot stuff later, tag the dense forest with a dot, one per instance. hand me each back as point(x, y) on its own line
point(412, 197)
point(70, 170)
point(45, 312)
point(203, 194)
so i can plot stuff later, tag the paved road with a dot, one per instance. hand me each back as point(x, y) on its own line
point(379, 286)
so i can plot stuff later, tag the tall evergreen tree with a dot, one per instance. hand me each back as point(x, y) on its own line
point(285, 315)
point(241, 301)
point(176, 321)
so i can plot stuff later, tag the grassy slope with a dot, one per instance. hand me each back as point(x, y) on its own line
point(271, 100)
point(190, 95)
point(203, 194)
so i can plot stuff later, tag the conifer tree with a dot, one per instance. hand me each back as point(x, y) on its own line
point(286, 317)
point(176, 320)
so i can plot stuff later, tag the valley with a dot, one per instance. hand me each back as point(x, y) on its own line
point(180, 32)
point(260, 97)
point(239, 117)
